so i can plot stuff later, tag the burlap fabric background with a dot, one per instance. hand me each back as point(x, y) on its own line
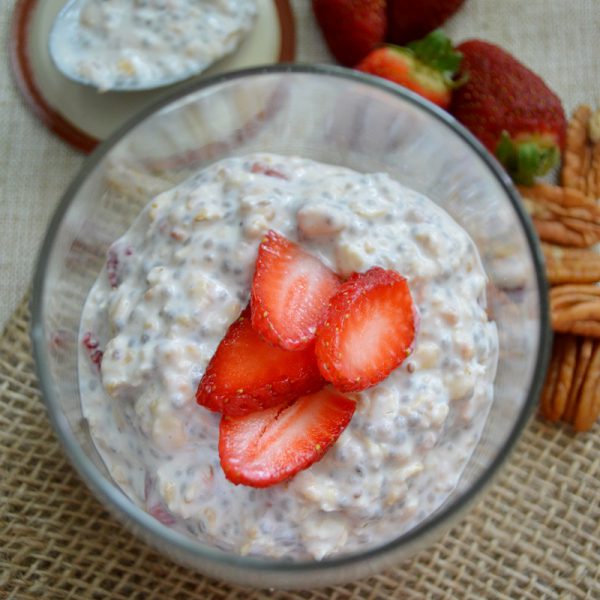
point(536, 534)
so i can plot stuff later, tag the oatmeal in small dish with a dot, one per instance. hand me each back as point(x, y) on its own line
point(140, 44)
point(285, 358)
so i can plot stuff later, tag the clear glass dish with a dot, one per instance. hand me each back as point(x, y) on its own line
point(332, 115)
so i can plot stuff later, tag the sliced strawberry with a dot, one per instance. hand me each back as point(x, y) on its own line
point(247, 373)
point(266, 447)
point(426, 66)
point(368, 331)
point(290, 292)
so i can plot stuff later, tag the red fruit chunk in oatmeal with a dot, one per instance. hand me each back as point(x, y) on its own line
point(92, 345)
point(117, 253)
point(268, 171)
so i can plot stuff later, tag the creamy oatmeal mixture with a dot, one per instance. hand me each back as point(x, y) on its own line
point(142, 43)
point(181, 275)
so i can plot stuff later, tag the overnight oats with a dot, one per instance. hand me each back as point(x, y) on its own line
point(285, 358)
point(139, 44)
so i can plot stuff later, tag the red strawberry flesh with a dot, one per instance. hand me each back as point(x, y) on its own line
point(351, 28)
point(270, 446)
point(426, 66)
point(368, 331)
point(92, 345)
point(409, 20)
point(247, 373)
point(267, 170)
point(290, 291)
point(397, 65)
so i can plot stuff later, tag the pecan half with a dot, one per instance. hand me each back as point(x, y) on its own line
point(581, 156)
point(576, 155)
point(571, 265)
point(584, 355)
point(551, 382)
point(572, 389)
point(562, 215)
point(575, 309)
point(588, 407)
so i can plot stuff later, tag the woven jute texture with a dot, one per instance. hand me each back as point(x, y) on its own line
point(536, 533)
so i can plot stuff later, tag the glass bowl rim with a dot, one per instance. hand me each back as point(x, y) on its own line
point(112, 495)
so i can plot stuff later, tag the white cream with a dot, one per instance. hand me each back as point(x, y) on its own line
point(178, 278)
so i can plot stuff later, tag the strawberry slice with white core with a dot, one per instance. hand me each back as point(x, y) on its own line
point(270, 446)
point(368, 331)
point(247, 374)
point(290, 292)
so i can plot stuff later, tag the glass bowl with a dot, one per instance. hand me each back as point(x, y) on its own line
point(327, 114)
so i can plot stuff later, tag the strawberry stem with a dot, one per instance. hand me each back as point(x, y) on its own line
point(526, 160)
point(437, 51)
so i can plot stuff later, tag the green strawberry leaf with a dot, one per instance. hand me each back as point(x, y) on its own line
point(436, 50)
point(525, 161)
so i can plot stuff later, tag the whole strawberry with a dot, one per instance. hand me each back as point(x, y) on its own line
point(426, 66)
point(412, 19)
point(516, 116)
point(352, 28)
